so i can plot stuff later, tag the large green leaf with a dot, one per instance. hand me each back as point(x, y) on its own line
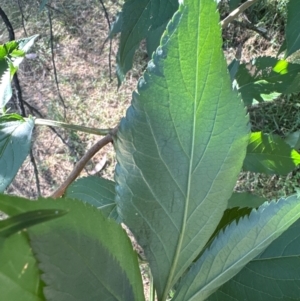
point(19, 273)
point(235, 247)
point(273, 275)
point(292, 32)
point(139, 18)
point(96, 191)
point(270, 154)
point(15, 140)
point(184, 133)
point(83, 255)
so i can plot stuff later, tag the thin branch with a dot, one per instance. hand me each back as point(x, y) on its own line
point(82, 162)
point(53, 62)
point(22, 17)
point(110, 40)
point(8, 25)
point(73, 127)
point(36, 173)
point(236, 12)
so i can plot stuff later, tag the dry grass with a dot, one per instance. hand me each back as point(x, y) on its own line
point(81, 57)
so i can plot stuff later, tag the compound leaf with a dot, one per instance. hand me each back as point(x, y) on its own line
point(182, 136)
point(96, 191)
point(15, 139)
point(235, 247)
point(270, 154)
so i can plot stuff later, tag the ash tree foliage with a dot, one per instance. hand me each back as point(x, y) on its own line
point(180, 148)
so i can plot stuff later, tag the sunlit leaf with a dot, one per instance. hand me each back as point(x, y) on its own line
point(270, 154)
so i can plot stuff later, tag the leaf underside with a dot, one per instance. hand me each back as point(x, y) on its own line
point(98, 192)
point(15, 140)
point(235, 247)
point(184, 132)
point(139, 19)
point(274, 274)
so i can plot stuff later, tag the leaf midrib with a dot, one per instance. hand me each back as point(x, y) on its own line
point(183, 227)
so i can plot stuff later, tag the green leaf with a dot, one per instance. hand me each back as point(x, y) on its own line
point(8, 66)
point(83, 255)
point(233, 4)
point(21, 221)
point(42, 5)
point(19, 273)
point(270, 154)
point(233, 67)
point(154, 37)
point(15, 140)
point(139, 18)
point(96, 191)
point(274, 274)
point(116, 26)
point(293, 140)
point(292, 27)
point(5, 84)
point(239, 205)
point(182, 136)
point(245, 199)
point(235, 247)
point(265, 78)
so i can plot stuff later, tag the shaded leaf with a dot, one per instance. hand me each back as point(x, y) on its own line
point(83, 255)
point(292, 33)
point(239, 205)
point(96, 191)
point(293, 140)
point(21, 221)
point(236, 246)
point(245, 199)
point(19, 273)
point(274, 274)
point(233, 4)
point(139, 18)
point(233, 67)
point(270, 154)
point(15, 140)
point(116, 26)
point(153, 39)
point(182, 135)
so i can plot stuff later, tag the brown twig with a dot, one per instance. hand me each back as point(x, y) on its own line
point(236, 12)
point(82, 162)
